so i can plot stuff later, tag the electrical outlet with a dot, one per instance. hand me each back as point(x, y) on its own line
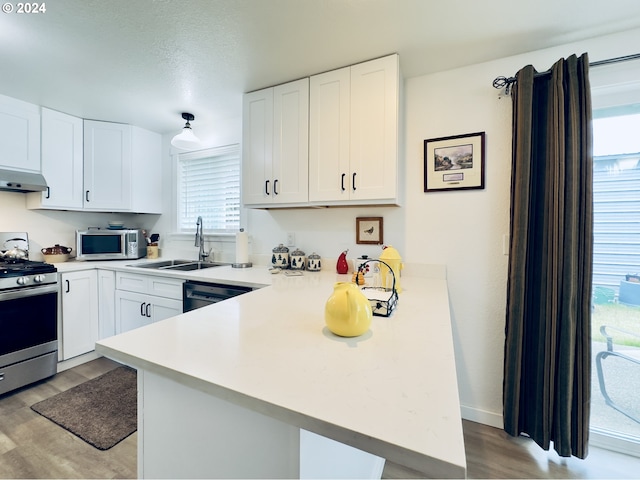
point(291, 239)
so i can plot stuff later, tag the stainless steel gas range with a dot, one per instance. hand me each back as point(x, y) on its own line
point(28, 315)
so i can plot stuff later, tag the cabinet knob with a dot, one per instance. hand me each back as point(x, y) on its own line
point(142, 309)
point(353, 181)
point(266, 187)
point(275, 185)
point(342, 181)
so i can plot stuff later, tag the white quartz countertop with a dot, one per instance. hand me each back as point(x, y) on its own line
point(255, 277)
point(391, 392)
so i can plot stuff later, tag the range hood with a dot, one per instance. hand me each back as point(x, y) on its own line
point(13, 181)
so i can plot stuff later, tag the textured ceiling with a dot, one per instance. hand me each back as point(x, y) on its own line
point(145, 61)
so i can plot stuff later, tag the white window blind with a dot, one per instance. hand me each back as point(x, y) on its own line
point(209, 187)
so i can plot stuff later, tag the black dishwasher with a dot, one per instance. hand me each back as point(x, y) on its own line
point(201, 294)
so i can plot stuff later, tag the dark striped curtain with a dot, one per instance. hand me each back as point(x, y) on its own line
point(547, 369)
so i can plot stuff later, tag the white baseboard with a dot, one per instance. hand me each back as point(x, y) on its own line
point(482, 416)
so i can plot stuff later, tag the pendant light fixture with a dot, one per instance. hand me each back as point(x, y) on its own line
point(186, 139)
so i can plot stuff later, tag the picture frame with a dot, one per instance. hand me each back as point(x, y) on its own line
point(454, 163)
point(369, 231)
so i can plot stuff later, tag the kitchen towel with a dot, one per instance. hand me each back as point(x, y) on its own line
point(242, 247)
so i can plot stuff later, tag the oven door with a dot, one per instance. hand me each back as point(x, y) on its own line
point(28, 323)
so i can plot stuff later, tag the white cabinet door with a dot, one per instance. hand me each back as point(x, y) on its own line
point(133, 310)
point(275, 145)
point(257, 147)
point(106, 303)
point(19, 135)
point(163, 308)
point(62, 157)
point(329, 124)
point(107, 166)
point(79, 292)
point(374, 129)
point(290, 173)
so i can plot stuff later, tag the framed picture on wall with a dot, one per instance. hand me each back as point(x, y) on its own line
point(369, 230)
point(454, 163)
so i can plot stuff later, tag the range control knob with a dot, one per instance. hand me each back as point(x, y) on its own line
point(39, 278)
point(23, 280)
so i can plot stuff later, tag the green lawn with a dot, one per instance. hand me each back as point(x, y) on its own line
point(618, 316)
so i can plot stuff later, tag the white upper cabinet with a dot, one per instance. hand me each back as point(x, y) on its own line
point(98, 166)
point(374, 129)
point(107, 166)
point(275, 145)
point(19, 135)
point(61, 162)
point(257, 146)
point(122, 168)
point(353, 134)
point(329, 126)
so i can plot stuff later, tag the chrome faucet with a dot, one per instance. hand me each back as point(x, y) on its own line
point(202, 255)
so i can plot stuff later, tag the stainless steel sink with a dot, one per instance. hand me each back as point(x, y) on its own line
point(182, 265)
point(161, 264)
point(195, 266)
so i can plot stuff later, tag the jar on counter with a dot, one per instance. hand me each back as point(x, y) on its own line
point(297, 259)
point(280, 257)
point(313, 262)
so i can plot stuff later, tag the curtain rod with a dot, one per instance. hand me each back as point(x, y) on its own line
point(501, 82)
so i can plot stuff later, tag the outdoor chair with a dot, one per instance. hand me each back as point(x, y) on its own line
point(611, 352)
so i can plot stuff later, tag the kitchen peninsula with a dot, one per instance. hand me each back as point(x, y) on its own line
point(256, 386)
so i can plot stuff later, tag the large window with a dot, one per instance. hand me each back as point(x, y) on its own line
point(209, 187)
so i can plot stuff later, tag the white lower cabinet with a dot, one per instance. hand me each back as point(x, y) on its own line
point(144, 299)
point(79, 301)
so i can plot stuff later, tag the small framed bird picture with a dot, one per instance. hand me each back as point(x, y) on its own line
point(369, 230)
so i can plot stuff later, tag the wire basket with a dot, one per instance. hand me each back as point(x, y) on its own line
point(383, 300)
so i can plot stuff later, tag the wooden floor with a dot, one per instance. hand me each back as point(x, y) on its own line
point(33, 447)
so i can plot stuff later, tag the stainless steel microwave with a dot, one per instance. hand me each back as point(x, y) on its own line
point(97, 244)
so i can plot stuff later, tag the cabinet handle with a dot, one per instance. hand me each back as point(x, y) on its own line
point(68, 286)
point(48, 195)
point(353, 182)
point(266, 187)
point(342, 181)
point(148, 314)
point(86, 195)
point(142, 309)
point(275, 184)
